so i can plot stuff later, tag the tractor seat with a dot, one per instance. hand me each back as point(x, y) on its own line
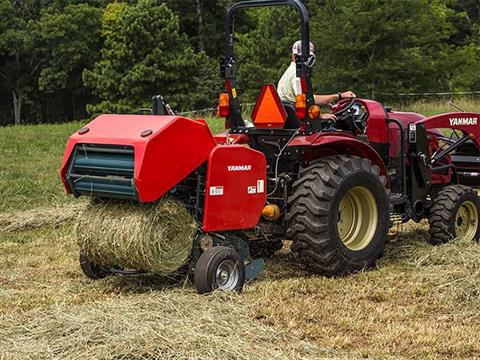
point(292, 121)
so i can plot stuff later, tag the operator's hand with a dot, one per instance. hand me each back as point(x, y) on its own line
point(330, 117)
point(348, 95)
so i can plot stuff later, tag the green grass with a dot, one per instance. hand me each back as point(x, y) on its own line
point(429, 108)
point(29, 164)
point(217, 125)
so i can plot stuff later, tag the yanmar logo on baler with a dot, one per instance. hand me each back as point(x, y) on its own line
point(239, 167)
point(463, 121)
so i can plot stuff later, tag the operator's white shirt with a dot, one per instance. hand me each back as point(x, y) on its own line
point(286, 84)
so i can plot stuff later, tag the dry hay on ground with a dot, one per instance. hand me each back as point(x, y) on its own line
point(31, 219)
point(156, 237)
point(420, 302)
point(452, 269)
point(160, 325)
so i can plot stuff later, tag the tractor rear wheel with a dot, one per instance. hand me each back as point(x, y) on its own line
point(454, 214)
point(339, 215)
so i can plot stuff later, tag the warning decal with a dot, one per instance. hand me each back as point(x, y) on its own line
point(260, 186)
point(252, 189)
point(216, 190)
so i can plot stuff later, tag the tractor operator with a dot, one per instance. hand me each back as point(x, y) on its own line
point(287, 84)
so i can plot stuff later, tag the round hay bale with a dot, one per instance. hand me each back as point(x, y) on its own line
point(156, 238)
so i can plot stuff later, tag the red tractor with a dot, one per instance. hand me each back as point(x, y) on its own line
point(333, 189)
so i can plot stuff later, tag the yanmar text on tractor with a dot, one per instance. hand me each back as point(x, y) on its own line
point(333, 189)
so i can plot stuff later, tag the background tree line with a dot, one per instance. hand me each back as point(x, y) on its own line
point(67, 59)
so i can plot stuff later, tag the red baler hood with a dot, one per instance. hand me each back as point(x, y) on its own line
point(170, 149)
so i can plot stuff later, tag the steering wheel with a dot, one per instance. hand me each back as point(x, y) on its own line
point(344, 106)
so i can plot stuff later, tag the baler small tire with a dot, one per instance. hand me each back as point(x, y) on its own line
point(91, 270)
point(338, 215)
point(219, 268)
point(444, 214)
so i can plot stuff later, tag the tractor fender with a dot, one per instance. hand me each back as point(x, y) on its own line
point(321, 145)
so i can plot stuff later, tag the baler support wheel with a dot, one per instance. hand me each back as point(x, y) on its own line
point(219, 268)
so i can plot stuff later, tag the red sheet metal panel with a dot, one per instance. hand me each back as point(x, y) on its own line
point(236, 188)
point(335, 143)
point(171, 148)
point(468, 123)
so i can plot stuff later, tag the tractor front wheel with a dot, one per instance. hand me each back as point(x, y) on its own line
point(339, 215)
point(454, 214)
point(219, 268)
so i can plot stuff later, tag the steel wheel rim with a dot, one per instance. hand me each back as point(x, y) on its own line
point(227, 275)
point(357, 218)
point(466, 220)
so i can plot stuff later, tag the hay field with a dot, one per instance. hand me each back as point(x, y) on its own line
point(429, 108)
point(420, 302)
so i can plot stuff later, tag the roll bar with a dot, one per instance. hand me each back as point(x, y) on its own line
point(227, 64)
point(304, 18)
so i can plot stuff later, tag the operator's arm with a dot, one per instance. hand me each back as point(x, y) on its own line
point(325, 99)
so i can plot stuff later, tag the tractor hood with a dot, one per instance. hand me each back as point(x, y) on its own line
point(406, 117)
point(134, 156)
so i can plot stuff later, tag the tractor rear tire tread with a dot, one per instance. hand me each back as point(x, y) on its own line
point(310, 205)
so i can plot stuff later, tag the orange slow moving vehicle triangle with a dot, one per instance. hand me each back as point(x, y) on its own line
point(269, 111)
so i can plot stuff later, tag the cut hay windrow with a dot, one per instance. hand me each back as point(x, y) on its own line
point(16, 221)
point(156, 238)
point(171, 325)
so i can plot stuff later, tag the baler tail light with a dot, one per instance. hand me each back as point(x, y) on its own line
point(301, 106)
point(224, 105)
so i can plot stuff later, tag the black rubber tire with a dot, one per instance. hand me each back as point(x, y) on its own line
point(313, 208)
point(90, 269)
point(206, 268)
point(442, 214)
